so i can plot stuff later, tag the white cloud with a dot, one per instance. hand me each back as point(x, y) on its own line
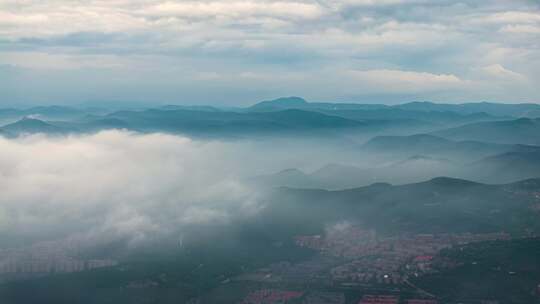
point(406, 81)
point(45, 20)
point(376, 2)
point(122, 39)
point(42, 60)
point(240, 9)
point(500, 72)
point(514, 17)
point(521, 29)
point(39, 19)
point(118, 185)
point(12, 19)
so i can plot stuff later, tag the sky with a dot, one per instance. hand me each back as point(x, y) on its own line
point(238, 52)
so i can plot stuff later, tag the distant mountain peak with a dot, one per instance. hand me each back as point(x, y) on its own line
point(393, 142)
point(380, 185)
point(30, 120)
point(420, 157)
point(333, 168)
point(450, 181)
point(291, 171)
point(288, 101)
point(280, 103)
point(531, 183)
point(30, 125)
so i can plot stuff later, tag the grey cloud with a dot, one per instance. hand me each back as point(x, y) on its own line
point(119, 39)
point(117, 185)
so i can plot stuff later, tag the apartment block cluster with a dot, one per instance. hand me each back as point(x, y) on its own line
point(391, 299)
point(313, 271)
point(276, 296)
point(54, 265)
point(324, 297)
point(387, 260)
point(271, 296)
point(47, 257)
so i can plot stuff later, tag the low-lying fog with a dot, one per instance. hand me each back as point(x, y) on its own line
point(123, 186)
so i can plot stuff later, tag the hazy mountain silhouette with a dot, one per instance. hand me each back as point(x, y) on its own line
point(439, 205)
point(433, 146)
point(507, 167)
point(496, 109)
point(518, 131)
point(290, 114)
point(31, 126)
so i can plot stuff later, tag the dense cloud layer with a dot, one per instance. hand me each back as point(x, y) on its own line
point(240, 51)
point(117, 185)
point(134, 188)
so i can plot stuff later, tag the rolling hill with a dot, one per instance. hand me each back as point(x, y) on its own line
point(398, 147)
point(507, 167)
point(440, 205)
point(518, 131)
point(31, 126)
point(530, 110)
point(508, 271)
